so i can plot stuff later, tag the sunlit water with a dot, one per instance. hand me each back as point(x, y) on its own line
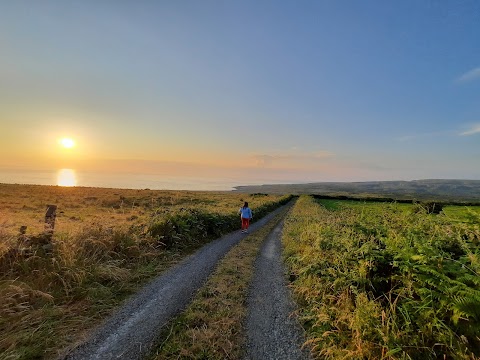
point(66, 177)
point(71, 177)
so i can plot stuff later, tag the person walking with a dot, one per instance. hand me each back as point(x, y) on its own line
point(246, 215)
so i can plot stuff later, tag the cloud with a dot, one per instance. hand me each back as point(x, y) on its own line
point(322, 154)
point(408, 137)
point(470, 75)
point(424, 135)
point(290, 159)
point(263, 160)
point(474, 129)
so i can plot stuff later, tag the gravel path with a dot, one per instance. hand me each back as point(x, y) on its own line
point(132, 330)
point(272, 333)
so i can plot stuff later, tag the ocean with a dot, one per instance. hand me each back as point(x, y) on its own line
point(71, 177)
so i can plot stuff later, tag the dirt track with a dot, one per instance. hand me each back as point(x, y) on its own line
point(133, 329)
point(272, 333)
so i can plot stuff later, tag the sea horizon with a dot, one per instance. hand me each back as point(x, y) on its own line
point(71, 177)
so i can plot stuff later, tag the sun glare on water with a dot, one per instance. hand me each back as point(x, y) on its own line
point(66, 177)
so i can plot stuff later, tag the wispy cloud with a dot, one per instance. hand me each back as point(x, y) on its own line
point(471, 75)
point(474, 129)
point(424, 135)
point(290, 158)
point(408, 137)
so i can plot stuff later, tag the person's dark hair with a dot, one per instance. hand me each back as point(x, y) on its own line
point(245, 205)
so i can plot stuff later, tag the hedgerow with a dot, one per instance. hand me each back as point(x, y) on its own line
point(191, 226)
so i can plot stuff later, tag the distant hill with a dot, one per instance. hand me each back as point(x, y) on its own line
point(439, 190)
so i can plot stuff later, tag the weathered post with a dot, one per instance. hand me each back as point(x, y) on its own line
point(23, 230)
point(22, 239)
point(50, 216)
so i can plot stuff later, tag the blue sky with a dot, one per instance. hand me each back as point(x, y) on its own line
point(293, 91)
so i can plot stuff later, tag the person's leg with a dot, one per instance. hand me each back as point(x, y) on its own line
point(245, 224)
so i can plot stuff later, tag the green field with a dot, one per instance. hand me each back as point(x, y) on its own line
point(386, 280)
point(458, 191)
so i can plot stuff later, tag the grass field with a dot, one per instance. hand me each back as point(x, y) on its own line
point(373, 280)
point(386, 281)
point(106, 244)
point(458, 191)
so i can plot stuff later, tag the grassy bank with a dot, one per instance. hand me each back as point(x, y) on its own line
point(211, 327)
point(384, 281)
point(107, 243)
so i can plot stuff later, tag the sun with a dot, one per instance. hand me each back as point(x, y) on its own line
point(67, 142)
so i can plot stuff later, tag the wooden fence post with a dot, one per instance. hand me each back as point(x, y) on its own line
point(50, 216)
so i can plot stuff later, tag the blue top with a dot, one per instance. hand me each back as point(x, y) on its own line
point(245, 212)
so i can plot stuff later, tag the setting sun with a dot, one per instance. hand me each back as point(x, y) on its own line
point(67, 143)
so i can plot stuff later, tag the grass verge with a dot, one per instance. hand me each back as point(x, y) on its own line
point(211, 327)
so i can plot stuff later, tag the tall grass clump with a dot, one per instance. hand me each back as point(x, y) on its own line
point(378, 282)
point(50, 297)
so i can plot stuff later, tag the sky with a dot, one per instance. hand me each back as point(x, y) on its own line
point(253, 91)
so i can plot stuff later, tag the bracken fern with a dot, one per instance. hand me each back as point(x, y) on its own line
point(379, 281)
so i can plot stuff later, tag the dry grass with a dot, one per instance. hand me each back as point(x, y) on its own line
point(211, 327)
point(80, 206)
point(101, 252)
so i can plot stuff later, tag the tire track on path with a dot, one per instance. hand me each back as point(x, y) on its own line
point(272, 331)
point(132, 330)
